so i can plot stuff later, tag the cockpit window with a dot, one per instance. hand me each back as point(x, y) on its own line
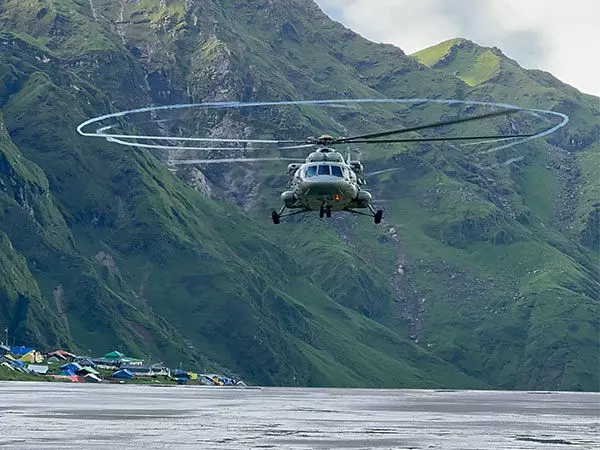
point(323, 170)
point(336, 171)
point(311, 171)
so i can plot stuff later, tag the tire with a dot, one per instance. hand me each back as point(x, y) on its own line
point(378, 216)
point(275, 217)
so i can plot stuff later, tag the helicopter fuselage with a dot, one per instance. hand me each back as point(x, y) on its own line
point(326, 183)
point(319, 191)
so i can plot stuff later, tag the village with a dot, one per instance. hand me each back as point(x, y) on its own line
point(113, 367)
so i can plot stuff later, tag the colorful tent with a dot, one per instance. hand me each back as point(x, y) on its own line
point(85, 370)
point(20, 350)
point(62, 354)
point(123, 373)
point(71, 367)
point(85, 362)
point(114, 355)
point(32, 357)
point(40, 370)
point(91, 378)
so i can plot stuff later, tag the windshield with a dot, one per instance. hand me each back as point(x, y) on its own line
point(311, 171)
point(324, 169)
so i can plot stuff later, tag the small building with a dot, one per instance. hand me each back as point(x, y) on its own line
point(161, 369)
point(108, 364)
point(131, 361)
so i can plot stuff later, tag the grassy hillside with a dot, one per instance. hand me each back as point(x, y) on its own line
point(482, 275)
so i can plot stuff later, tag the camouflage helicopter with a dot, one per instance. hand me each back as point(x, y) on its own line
point(326, 182)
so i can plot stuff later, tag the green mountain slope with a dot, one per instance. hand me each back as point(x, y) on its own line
point(483, 274)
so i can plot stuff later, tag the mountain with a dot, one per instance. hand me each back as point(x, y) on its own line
point(483, 274)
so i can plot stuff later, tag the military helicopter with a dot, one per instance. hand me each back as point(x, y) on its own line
point(326, 182)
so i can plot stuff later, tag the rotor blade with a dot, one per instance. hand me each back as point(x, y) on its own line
point(424, 127)
point(101, 132)
point(227, 160)
point(450, 138)
point(180, 147)
point(379, 172)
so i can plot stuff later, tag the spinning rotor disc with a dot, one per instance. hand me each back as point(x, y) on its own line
point(385, 137)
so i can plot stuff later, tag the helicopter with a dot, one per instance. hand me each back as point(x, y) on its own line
point(327, 182)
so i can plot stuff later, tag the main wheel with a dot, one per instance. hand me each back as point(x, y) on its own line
point(378, 216)
point(322, 212)
point(328, 211)
point(275, 216)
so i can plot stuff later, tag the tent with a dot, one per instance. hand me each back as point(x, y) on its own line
point(123, 373)
point(181, 374)
point(85, 362)
point(91, 378)
point(114, 355)
point(5, 364)
point(40, 370)
point(192, 375)
point(88, 370)
point(32, 357)
point(21, 350)
point(62, 354)
point(72, 367)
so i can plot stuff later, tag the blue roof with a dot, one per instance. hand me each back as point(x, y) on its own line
point(86, 361)
point(20, 350)
point(123, 373)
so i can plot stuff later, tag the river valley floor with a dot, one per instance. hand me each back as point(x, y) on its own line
point(57, 415)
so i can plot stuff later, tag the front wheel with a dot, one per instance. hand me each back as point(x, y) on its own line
point(275, 217)
point(378, 216)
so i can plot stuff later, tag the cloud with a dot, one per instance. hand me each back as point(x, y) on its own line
point(554, 35)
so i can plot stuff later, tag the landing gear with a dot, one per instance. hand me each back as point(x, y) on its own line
point(276, 217)
point(325, 211)
point(377, 216)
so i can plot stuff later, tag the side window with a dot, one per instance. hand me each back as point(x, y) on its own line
point(336, 171)
point(323, 170)
point(311, 171)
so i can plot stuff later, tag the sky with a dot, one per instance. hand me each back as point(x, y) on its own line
point(559, 36)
